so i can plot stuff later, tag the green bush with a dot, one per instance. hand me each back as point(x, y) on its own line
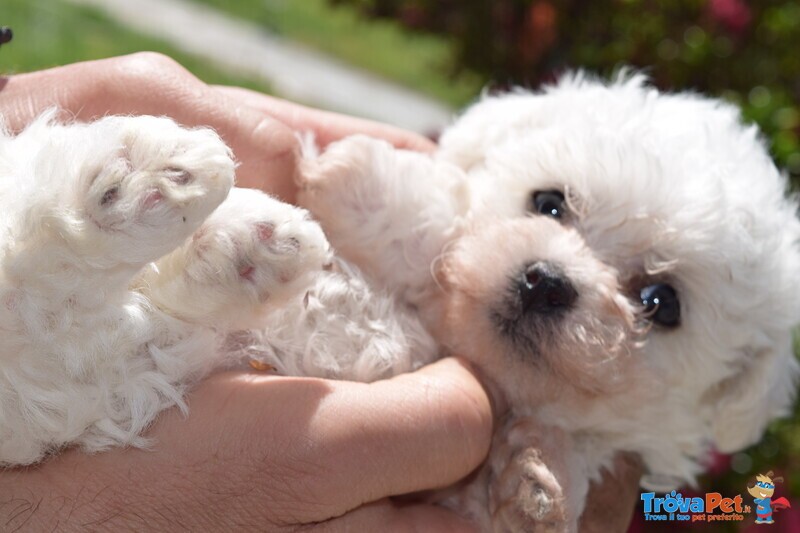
point(744, 51)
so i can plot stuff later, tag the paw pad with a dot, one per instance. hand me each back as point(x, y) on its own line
point(246, 272)
point(110, 196)
point(152, 198)
point(264, 230)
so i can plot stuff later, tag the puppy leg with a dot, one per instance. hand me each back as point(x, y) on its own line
point(388, 211)
point(253, 253)
point(529, 490)
point(82, 358)
point(120, 192)
point(157, 188)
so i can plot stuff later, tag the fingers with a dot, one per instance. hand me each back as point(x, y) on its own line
point(319, 449)
point(153, 84)
point(265, 149)
point(292, 450)
point(387, 517)
point(610, 504)
point(327, 126)
point(123, 85)
point(252, 124)
point(279, 452)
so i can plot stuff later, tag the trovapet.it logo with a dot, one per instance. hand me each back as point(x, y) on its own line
point(762, 493)
point(713, 507)
point(674, 507)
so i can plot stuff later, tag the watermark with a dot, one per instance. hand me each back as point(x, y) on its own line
point(714, 507)
point(762, 493)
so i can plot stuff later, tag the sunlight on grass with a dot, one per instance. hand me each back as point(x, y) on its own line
point(417, 61)
point(50, 32)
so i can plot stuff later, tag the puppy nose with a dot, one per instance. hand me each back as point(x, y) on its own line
point(543, 288)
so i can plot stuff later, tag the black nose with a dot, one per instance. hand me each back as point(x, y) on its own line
point(543, 288)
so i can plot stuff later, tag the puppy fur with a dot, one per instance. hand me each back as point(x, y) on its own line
point(130, 269)
point(97, 335)
point(660, 188)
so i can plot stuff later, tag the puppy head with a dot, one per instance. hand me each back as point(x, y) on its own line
point(666, 197)
point(529, 301)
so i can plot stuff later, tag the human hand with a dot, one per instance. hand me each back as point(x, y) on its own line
point(253, 125)
point(178, 481)
point(272, 453)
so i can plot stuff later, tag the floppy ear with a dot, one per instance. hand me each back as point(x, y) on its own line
point(763, 390)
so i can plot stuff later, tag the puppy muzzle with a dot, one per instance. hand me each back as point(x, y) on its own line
point(544, 289)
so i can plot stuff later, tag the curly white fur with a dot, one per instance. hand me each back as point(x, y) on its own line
point(129, 264)
point(660, 188)
point(130, 269)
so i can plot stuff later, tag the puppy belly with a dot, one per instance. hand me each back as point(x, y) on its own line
point(342, 328)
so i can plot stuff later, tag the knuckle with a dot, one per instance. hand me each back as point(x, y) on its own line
point(459, 413)
point(150, 72)
point(464, 405)
point(152, 61)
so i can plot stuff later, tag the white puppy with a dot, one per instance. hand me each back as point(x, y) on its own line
point(620, 264)
point(93, 346)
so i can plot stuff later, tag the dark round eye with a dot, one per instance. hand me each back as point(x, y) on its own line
point(661, 304)
point(550, 203)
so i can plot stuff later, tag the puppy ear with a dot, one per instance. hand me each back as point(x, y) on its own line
point(763, 390)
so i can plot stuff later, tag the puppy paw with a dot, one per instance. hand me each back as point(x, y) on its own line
point(346, 179)
point(262, 252)
point(527, 497)
point(154, 188)
point(251, 252)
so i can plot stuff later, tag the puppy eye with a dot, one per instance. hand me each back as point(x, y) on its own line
point(661, 305)
point(550, 203)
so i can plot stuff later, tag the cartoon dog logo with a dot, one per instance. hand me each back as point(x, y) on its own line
point(762, 493)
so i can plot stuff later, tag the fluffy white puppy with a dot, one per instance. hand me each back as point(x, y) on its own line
point(621, 264)
point(130, 268)
point(95, 339)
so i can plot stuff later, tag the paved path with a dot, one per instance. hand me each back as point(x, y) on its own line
point(293, 71)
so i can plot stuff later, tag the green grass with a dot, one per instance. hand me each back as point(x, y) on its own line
point(382, 47)
point(50, 32)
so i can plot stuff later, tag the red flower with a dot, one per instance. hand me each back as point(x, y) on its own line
point(733, 14)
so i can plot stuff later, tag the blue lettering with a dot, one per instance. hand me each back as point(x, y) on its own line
point(697, 505)
point(647, 498)
point(671, 503)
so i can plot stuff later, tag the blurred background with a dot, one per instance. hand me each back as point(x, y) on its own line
point(414, 63)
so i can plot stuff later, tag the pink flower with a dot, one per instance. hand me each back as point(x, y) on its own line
point(733, 14)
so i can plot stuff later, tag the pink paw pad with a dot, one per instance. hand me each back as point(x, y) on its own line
point(246, 272)
point(264, 230)
point(152, 197)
